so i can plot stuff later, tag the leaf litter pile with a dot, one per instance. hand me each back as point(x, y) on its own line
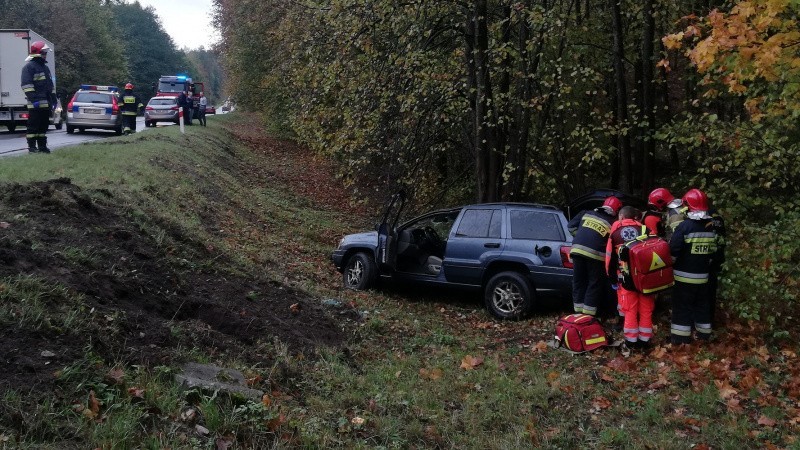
point(129, 293)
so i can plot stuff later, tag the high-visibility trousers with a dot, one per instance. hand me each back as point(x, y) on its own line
point(638, 311)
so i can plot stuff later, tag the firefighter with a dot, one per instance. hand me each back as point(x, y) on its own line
point(694, 248)
point(588, 253)
point(657, 203)
point(130, 109)
point(37, 84)
point(676, 212)
point(636, 307)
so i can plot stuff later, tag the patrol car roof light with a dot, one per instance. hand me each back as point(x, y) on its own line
point(94, 87)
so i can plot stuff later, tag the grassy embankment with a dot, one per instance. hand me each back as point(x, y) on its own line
point(419, 370)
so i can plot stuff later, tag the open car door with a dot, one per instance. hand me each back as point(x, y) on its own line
point(387, 232)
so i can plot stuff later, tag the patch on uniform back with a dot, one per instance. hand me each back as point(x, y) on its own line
point(629, 233)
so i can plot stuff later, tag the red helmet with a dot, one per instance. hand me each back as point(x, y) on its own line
point(660, 198)
point(39, 47)
point(614, 203)
point(696, 200)
point(128, 86)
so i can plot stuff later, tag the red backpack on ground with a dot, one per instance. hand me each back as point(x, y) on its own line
point(646, 265)
point(580, 333)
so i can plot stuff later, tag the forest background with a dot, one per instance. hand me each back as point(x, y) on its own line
point(111, 42)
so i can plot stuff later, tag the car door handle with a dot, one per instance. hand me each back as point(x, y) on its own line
point(492, 245)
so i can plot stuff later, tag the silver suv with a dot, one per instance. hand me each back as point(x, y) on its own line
point(161, 109)
point(94, 107)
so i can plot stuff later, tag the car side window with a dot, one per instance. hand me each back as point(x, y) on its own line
point(536, 226)
point(479, 223)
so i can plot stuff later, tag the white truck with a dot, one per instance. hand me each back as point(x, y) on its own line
point(14, 48)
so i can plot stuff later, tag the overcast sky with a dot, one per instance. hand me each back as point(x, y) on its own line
point(187, 21)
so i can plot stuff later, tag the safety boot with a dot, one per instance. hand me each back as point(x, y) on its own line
point(32, 145)
point(42, 142)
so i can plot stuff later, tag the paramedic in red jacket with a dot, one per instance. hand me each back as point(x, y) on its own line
point(694, 248)
point(637, 307)
point(589, 285)
point(657, 202)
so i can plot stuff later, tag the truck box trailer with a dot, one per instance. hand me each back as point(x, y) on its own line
point(14, 48)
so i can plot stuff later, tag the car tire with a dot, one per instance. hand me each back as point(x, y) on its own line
point(11, 128)
point(118, 130)
point(360, 272)
point(508, 296)
point(70, 129)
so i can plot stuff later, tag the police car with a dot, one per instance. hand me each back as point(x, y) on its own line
point(94, 106)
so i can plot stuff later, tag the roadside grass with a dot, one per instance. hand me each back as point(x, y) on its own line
point(421, 370)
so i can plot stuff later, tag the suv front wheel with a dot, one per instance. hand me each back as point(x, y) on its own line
point(508, 296)
point(360, 272)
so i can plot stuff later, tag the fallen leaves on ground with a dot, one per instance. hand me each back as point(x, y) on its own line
point(470, 362)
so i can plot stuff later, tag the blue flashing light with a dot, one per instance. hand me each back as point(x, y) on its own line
point(182, 77)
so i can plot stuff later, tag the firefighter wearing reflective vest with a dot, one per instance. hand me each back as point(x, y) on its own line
point(694, 249)
point(37, 84)
point(657, 203)
point(130, 109)
point(636, 307)
point(589, 281)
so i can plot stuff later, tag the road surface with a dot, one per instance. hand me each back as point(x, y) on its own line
point(14, 144)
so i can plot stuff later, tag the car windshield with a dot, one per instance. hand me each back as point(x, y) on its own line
point(162, 101)
point(92, 97)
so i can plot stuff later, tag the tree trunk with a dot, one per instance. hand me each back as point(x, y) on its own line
point(648, 99)
point(483, 142)
point(621, 96)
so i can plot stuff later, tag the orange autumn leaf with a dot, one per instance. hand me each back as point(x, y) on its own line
point(266, 400)
point(725, 389)
point(766, 421)
point(601, 403)
point(470, 362)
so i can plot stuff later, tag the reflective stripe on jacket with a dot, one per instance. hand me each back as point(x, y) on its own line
point(693, 247)
point(37, 82)
point(592, 235)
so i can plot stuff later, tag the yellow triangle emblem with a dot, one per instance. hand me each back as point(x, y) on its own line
point(657, 263)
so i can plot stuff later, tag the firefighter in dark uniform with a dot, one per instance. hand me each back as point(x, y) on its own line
point(657, 203)
point(589, 280)
point(37, 84)
point(130, 109)
point(694, 247)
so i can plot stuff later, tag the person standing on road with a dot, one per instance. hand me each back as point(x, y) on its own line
point(37, 84)
point(130, 109)
point(188, 111)
point(589, 280)
point(201, 112)
point(694, 248)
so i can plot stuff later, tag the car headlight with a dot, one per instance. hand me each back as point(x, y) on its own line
point(341, 242)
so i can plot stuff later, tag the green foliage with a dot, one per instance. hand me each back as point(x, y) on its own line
point(149, 52)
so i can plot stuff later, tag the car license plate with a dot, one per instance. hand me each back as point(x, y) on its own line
point(92, 111)
point(5, 115)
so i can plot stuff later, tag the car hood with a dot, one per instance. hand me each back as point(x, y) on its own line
point(370, 238)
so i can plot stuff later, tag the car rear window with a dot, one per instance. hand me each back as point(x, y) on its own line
point(535, 225)
point(92, 97)
point(480, 223)
point(162, 101)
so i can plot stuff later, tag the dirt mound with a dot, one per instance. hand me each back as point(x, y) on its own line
point(133, 298)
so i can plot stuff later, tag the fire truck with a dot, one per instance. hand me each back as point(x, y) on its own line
point(172, 85)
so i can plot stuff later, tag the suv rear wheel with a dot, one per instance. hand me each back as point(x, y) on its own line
point(508, 296)
point(359, 272)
